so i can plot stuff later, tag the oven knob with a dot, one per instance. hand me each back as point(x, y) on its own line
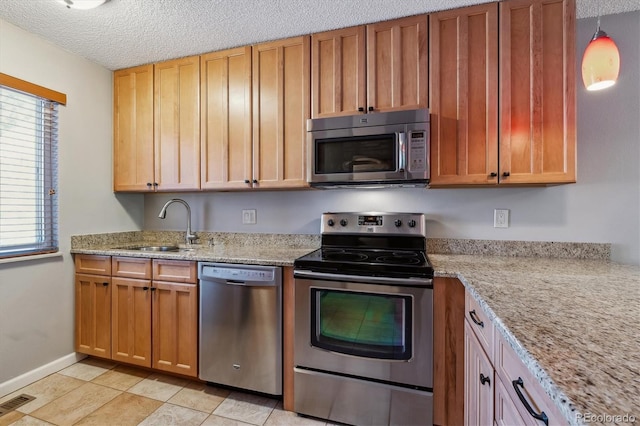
point(398, 223)
point(412, 223)
point(330, 222)
point(343, 222)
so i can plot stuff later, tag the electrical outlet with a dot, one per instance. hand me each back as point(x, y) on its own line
point(501, 218)
point(249, 217)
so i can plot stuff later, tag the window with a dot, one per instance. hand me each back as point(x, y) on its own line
point(28, 170)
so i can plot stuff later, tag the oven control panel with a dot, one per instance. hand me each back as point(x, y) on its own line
point(374, 223)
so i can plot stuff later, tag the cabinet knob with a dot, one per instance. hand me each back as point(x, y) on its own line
point(155, 184)
point(105, 284)
point(493, 174)
point(361, 109)
point(153, 289)
point(371, 109)
point(149, 184)
point(484, 379)
point(506, 174)
point(247, 181)
point(255, 181)
point(145, 288)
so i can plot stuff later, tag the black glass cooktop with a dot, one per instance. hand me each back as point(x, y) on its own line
point(372, 262)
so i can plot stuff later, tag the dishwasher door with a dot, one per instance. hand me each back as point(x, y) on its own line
point(240, 333)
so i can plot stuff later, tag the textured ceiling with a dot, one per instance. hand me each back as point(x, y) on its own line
point(124, 33)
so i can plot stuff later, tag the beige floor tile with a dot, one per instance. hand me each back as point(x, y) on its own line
point(10, 418)
point(125, 409)
point(214, 420)
point(247, 408)
point(30, 421)
point(75, 405)
point(280, 417)
point(45, 390)
point(121, 377)
point(170, 415)
point(84, 371)
point(159, 386)
point(199, 396)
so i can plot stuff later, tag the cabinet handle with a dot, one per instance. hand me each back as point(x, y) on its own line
point(255, 181)
point(149, 184)
point(371, 109)
point(474, 318)
point(153, 289)
point(247, 181)
point(484, 379)
point(493, 174)
point(542, 416)
point(506, 174)
point(361, 109)
point(145, 288)
point(105, 284)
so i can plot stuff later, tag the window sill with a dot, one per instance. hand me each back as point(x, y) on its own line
point(32, 257)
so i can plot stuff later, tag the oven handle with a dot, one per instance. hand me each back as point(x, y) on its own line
point(410, 282)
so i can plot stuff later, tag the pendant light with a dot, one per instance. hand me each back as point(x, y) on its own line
point(600, 62)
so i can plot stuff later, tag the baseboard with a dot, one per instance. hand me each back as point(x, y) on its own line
point(39, 373)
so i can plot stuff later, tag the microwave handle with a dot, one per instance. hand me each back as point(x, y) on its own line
point(402, 151)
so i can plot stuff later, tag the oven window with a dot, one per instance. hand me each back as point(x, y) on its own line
point(362, 324)
point(356, 154)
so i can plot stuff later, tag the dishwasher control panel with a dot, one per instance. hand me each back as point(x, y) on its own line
point(237, 272)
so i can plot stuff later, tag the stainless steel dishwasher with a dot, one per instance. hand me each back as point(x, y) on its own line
point(240, 333)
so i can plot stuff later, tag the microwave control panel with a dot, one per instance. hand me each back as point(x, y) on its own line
point(417, 161)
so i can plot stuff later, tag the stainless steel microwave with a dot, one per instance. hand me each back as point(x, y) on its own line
point(370, 150)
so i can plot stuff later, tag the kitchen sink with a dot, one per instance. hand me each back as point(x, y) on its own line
point(155, 248)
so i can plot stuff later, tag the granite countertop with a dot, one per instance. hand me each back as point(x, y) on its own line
point(574, 323)
point(571, 316)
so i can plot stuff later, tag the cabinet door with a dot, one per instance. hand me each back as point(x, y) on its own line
point(506, 413)
point(537, 92)
point(280, 113)
point(175, 328)
point(93, 315)
point(131, 321)
point(133, 129)
point(177, 124)
point(478, 382)
point(397, 67)
point(464, 91)
point(226, 119)
point(338, 72)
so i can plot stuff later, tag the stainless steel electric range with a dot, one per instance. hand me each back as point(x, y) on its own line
point(364, 321)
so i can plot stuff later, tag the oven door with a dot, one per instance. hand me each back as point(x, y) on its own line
point(368, 154)
point(380, 331)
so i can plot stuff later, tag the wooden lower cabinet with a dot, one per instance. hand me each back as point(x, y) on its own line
point(139, 321)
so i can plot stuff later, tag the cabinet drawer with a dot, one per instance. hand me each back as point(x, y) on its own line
point(479, 323)
point(131, 267)
point(93, 264)
point(510, 369)
point(180, 271)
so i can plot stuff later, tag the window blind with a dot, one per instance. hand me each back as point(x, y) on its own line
point(28, 174)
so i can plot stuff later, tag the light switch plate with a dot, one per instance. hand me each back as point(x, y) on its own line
point(249, 217)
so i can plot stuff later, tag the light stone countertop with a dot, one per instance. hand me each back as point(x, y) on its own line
point(574, 323)
point(573, 319)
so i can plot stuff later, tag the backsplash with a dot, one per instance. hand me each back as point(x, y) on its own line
point(600, 251)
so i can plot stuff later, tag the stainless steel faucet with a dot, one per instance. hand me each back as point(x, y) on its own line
point(189, 237)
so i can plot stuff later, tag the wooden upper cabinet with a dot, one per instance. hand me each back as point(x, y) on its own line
point(464, 94)
point(533, 100)
point(177, 124)
point(226, 151)
point(537, 91)
point(397, 65)
point(377, 67)
point(133, 129)
point(338, 72)
point(280, 112)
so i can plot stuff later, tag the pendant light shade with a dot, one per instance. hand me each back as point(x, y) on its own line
point(600, 62)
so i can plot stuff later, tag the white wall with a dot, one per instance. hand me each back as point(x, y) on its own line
point(603, 207)
point(36, 297)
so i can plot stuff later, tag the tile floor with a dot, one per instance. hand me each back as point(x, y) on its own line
point(97, 392)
